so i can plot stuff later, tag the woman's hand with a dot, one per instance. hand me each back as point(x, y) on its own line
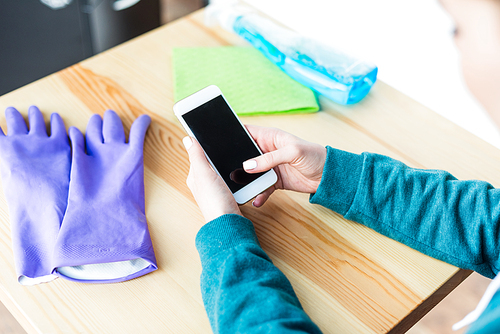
point(210, 192)
point(298, 163)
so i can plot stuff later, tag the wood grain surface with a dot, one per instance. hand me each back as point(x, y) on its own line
point(348, 278)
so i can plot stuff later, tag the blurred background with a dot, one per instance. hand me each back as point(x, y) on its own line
point(54, 34)
point(417, 36)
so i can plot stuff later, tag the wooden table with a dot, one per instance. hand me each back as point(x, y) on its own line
point(348, 278)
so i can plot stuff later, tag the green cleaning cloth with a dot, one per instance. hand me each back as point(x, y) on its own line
point(249, 81)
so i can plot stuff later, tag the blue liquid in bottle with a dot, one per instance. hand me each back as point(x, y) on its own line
point(339, 77)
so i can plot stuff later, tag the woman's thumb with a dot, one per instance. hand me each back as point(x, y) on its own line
point(269, 160)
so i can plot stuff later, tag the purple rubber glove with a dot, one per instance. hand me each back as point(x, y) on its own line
point(35, 177)
point(104, 236)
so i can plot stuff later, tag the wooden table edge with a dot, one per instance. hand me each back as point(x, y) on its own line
point(430, 302)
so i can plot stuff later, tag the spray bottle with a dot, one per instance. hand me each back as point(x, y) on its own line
point(330, 72)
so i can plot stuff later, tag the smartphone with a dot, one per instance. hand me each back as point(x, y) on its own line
point(206, 116)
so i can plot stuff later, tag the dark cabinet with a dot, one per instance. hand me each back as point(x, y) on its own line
point(37, 39)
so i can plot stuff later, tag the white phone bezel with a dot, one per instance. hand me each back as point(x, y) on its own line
point(203, 96)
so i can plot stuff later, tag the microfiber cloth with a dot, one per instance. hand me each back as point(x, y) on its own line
point(249, 81)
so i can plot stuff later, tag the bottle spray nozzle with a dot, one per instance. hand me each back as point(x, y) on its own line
point(225, 12)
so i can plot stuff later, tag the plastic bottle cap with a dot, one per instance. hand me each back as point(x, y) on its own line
point(225, 13)
point(227, 18)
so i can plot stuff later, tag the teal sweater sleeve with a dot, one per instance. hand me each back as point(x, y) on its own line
point(243, 292)
point(428, 210)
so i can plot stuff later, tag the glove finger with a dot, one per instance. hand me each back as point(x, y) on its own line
point(57, 128)
point(112, 128)
point(77, 140)
point(15, 122)
point(37, 123)
point(93, 133)
point(138, 130)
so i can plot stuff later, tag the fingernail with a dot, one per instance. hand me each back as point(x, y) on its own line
point(187, 142)
point(249, 164)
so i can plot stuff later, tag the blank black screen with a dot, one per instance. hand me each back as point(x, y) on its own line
point(224, 140)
